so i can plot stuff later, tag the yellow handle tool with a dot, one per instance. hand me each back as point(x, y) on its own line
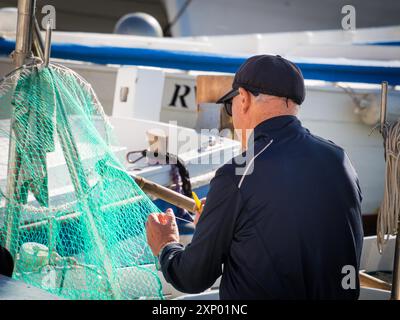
point(196, 200)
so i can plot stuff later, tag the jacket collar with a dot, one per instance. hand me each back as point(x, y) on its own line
point(278, 127)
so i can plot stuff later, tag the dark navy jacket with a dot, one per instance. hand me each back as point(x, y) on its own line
point(285, 231)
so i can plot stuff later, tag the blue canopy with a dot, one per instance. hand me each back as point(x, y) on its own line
point(364, 72)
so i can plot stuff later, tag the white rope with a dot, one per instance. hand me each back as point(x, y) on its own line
point(388, 213)
point(251, 163)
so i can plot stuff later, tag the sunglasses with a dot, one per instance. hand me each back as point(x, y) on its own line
point(228, 103)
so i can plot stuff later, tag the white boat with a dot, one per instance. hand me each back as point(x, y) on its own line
point(338, 105)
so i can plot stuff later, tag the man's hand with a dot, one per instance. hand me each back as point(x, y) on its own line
point(161, 229)
point(199, 212)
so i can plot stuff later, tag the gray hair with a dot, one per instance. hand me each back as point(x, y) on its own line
point(263, 98)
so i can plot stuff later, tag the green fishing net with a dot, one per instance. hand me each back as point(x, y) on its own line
point(73, 219)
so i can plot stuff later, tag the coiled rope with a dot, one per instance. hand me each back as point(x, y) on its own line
point(388, 214)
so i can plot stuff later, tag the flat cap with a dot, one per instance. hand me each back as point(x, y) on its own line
point(269, 74)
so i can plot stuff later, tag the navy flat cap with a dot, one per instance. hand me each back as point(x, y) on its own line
point(269, 74)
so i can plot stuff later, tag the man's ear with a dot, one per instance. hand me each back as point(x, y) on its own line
point(245, 100)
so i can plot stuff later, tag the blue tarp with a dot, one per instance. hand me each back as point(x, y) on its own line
point(201, 61)
point(384, 43)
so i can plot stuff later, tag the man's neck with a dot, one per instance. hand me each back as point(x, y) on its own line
point(270, 115)
point(247, 135)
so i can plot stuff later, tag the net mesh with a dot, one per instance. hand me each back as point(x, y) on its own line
point(73, 219)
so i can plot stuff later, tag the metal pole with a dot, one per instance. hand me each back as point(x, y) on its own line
point(384, 87)
point(47, 47)
point(38, 44)
point(396, 268)
point(23, 45)
point(395, 294)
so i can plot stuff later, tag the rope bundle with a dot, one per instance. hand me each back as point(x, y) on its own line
point(388, 214)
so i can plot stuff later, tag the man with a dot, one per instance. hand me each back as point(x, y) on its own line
point(289, 223)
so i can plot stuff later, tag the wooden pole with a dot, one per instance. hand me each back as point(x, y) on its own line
point(368, 281)
point(166, 194)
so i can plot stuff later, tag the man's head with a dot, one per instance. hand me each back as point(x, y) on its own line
point(264, 87)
